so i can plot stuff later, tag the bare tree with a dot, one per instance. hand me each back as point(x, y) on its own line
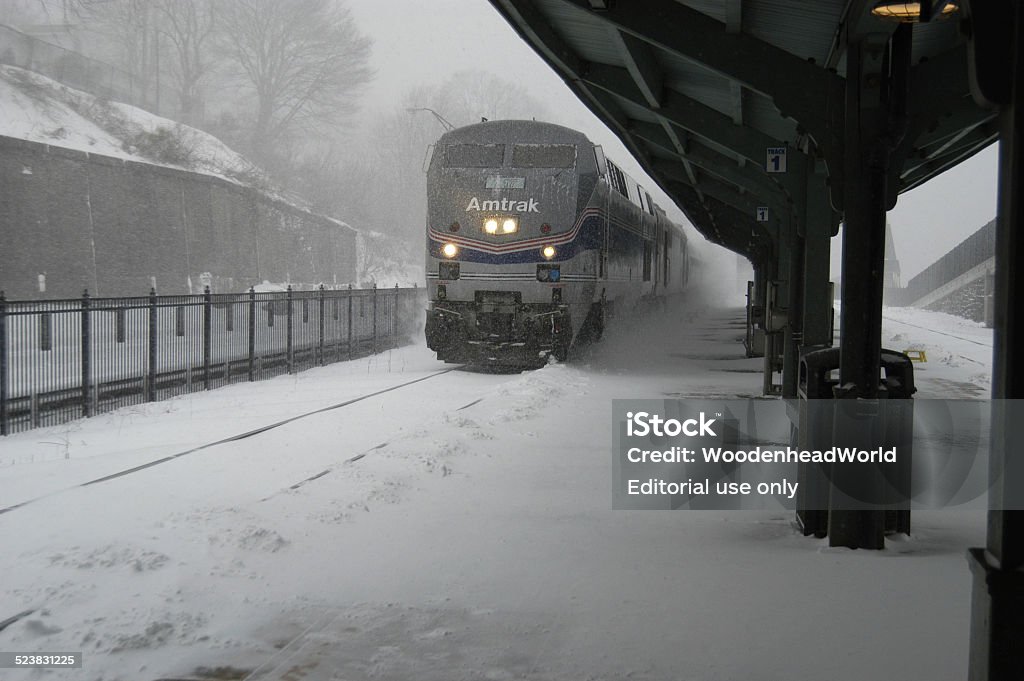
point(64, 11)
point(128, 25)
point(189, 25)
point(399, 144)
point(18, 13)
point(468, 96)
point(304, 60)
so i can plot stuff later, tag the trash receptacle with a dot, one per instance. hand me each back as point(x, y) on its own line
point(817, 377)
point(815, 382)
point(898, 387)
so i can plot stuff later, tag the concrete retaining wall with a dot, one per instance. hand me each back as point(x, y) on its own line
point(82, 221)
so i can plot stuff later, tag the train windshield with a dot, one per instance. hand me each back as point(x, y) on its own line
point(543, 156)
point(474, 155)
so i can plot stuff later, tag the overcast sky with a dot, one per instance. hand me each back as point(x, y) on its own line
point(426, 42)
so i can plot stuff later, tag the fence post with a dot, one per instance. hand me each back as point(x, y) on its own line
point(252, 333)
point(207, 335)
point(321, 314)
point(375, 318)
point(86, 324)
point(151, 377)
point(393, 320)
point(3, 364)
point(291, 316)
point(350, 321)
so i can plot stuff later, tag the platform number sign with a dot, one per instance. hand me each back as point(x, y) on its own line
point(762, 213)
point(776, 162)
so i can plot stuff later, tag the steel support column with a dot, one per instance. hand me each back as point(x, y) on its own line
point(876, 90)
point(802, 166)
point(791, 265)
point(819, 224)
point(769, 272)
point(819, 228)
point(756, 311)
point(778, 307)
point(997, 607)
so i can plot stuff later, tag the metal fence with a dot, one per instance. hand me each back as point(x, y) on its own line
point(65, 359)
point(83, 73)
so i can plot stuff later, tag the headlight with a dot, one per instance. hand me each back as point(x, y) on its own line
point(491, 226)
point(509, 225)
point(548, 252)
point(450, 250)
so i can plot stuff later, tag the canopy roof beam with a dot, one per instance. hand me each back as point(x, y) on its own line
point(684, 112)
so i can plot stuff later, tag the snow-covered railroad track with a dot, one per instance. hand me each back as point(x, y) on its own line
point(242, 436)
point(941, 333)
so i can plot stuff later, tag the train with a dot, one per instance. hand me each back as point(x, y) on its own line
point(535, 239)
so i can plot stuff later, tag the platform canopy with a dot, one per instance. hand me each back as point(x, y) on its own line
point(715, 97)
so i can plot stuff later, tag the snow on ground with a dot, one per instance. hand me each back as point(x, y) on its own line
point(474, 539)
point(959, 351)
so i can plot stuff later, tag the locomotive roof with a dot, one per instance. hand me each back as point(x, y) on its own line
point(529, 132)
point(522, 132)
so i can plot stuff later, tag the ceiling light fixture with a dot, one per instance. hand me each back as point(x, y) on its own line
point(911, 12)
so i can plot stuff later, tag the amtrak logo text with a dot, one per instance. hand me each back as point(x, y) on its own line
point(530, 206)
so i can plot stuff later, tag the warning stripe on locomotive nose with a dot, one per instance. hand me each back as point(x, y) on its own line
point(500, 276)
point(513, 246)
point(526, 276)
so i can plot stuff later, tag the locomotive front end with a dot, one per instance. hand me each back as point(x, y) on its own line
point(505, 243)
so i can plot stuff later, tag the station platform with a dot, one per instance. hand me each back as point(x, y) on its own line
point(460, 527)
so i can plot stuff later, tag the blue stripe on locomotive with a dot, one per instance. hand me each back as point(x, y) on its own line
point(626, 246)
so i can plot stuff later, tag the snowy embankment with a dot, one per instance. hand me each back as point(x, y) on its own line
point(38, 109)
point(474, 537)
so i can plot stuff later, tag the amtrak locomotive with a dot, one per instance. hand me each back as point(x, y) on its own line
point(533, 237)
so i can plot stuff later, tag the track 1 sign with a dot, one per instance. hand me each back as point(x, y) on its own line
point(762, 213)
point(776, 162)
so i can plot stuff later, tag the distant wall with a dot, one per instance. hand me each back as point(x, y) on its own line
point(965, 256)
point(113, 226)
point(968, 301)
